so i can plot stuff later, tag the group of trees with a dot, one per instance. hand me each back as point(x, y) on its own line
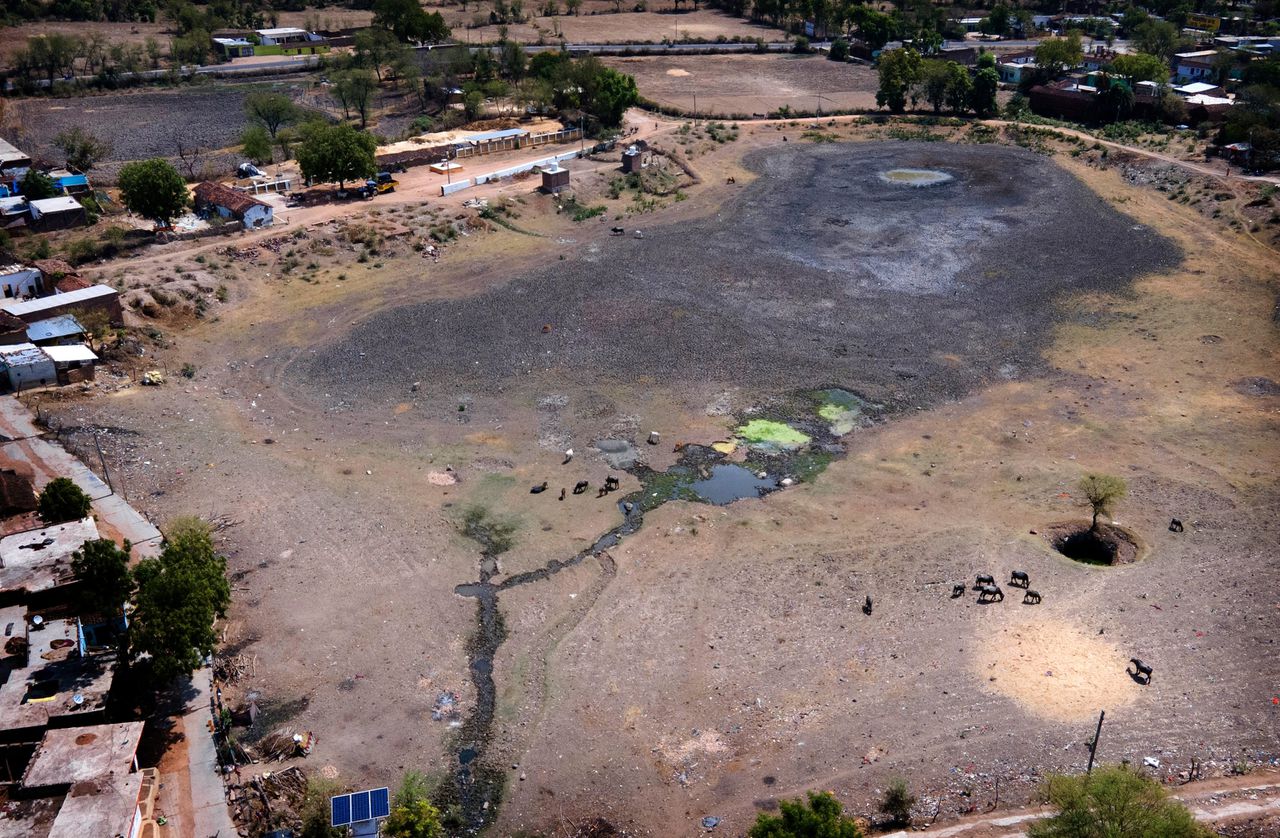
point(175, 597)
point(1115, 802)
point(54, 56)
point(907, 76)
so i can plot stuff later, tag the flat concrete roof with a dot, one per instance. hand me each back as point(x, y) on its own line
point(62, 203)
point(281, 30)
point(22, 354)
point(77, 296)
point(103, 807)
point(76, 754)
point(38, 560)
point(55, 674)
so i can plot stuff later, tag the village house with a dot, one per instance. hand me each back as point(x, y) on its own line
point(12, 161)
point(79, 302)
point(1194, 66)
point(214, 198)
point(14, 212)
point(36, 563)
point(289, 40)
point(18, 281)
point(61, 213)
point(72, 364)
point(26, 365)
point(63, 330)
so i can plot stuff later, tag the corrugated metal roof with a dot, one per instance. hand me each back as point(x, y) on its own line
point(496, 135)
point(55, 327)
point(56, 300)
point(22, 355)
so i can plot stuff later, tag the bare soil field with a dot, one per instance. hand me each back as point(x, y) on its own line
point(751, 84)
point(712, 660)
point(143, 123)
point(599, 24)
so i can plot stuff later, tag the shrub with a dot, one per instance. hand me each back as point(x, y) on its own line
point(62, 500)
point(897, 802)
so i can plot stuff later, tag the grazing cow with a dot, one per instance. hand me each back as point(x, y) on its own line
point(611, 483)
point(1031, 597)
point(991, 593)
point(1175, 525)
point(984, 580)
point(1019, 579)
point(957, 591)
point(617, 231)
point(580, 487)
point(1142, 671)
point(866, 606)
point(539, 489)
point(568, 455)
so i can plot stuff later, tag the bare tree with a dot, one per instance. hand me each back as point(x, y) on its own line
point(190, 153)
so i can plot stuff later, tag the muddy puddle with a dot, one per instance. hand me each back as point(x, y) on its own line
point(915, 177)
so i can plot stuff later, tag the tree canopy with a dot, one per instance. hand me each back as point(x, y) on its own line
point(900, 70)
point(1055, 55)
point(81, 149)
point(102, 568)
point(179, 595)
point(1102, 492)
point(36, 185)
point(1115, 802)
point(153, 189)
point(62, 500)
point(339, 153)
point(270, 110)
point(409, 21)
point(1139, 66)
point(822, 817)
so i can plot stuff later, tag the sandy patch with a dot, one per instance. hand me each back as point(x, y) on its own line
point(1055, 670)
point(441, 478)
point(676, 71)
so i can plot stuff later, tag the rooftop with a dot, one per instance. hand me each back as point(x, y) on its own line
point(70, 354)
point(10, 153)
point(283, 30)
point(32, 306)
point(21, 355)
point(64, 325)
point(56, 681)
point(55, 267)
point(76, 754)
point(39, 560)
point(63, 203)
point(224, 196)
point(106, 806)
point(14, 268)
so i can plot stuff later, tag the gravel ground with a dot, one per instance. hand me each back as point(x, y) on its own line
point(826, 274)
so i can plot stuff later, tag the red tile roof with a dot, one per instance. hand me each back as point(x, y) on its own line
point(224, 196)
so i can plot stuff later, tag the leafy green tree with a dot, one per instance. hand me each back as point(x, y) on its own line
point(335, 153)
point(1159, 38)
point(179, 595)
point(1101, 493)
point(409, 21)
point(1114, 802)
point(153, 189)
point(897, 802)
point(62, 501)
point(823, 817)
point(255, 143)
point(875, 28)
point(377, 49)
point(81, 149)
point(996, 23)
point(418, 819)
point(900, 71)
point(1139, 66)
point(959, 87)
point(1114, 101)
point(36, 185)
point(54, 54)
point(355, 88)
point(839, 50)
point(982, 97)
point(473, 104)
point(1055, 55)
point(935, 77)
point(513, 61)
point(611, 94)
point(270, 110)
point(102, 569)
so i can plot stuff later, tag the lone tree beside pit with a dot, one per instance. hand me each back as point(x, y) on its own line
point(1102, 492)
point(154, 190)
point(823, 817)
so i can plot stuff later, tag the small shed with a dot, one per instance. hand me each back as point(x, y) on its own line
point(79, 302)
point(11, 158)
point(26, 365)
point(226, 202)
point(56, 331)
point(20, 281)
point(632, 160)
point(72, 364)
point(61, 213)
point(555, 178)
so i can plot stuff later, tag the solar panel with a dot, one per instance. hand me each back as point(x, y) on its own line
point(341, 806)
point(380, 803)
point(360, 806)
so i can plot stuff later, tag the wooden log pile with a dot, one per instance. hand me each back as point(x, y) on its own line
point(270, 801)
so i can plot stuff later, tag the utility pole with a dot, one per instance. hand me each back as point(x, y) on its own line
point(1093, 748)
point(103, 460)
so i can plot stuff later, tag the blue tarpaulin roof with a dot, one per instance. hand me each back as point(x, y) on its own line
point(63, 326)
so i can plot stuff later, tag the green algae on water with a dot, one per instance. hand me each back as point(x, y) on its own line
point(771, 433)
